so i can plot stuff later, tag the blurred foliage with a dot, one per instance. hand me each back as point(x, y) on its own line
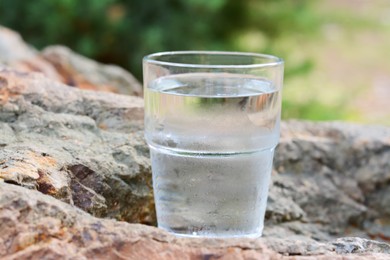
point(123, 31)
point(314, 110)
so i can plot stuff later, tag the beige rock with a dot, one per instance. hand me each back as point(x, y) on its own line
point(15, 53)
point(85, 73)
point(61, 64)
point(87, 149)
point(80, 147)
point(36, 226)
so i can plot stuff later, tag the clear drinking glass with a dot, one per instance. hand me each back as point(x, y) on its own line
point(212, 123)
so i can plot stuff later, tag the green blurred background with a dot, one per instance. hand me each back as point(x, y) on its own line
point(337, 52)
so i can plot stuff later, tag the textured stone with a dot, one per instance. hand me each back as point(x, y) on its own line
point(78, 146)
point(85, 73)
point(86, 149)
point(15, 53)
point(331, 179)
point(61, 64)
point(36, 226)
point(12, 47)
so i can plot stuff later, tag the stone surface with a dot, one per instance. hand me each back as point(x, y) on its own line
point(81, 147)
point(36, 226)
point(68, 156)
point(85, 73)
point(61, 64)
point(331, 179)
point(86, 149)
point(12, 47)
point(15, 53)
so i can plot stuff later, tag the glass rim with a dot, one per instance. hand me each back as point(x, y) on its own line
point(272, 60)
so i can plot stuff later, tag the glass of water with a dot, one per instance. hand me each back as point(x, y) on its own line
point(212, 123)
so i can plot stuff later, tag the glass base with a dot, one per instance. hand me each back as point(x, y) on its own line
point(201, 234)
